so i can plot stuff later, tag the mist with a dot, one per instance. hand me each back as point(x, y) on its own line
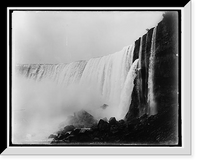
point(40, 108)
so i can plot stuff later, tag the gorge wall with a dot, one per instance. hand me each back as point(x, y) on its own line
point(165, 69)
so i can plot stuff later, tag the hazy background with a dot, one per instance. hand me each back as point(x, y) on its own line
point(65, 36)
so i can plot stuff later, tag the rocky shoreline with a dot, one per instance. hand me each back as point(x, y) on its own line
point(152, 130)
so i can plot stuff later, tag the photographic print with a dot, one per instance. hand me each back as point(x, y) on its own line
point(95, 77)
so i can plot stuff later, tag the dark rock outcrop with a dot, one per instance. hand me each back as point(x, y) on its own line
point(153, 130)
point(112, 121)
point(103, 125)
point(165, 78)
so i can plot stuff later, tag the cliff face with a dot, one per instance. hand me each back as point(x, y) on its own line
point(165, 75)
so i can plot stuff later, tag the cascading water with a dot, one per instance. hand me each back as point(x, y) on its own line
point(125, 98)
point(151, 97)
point(107, 74)
point(140, 77)
point(89, 85)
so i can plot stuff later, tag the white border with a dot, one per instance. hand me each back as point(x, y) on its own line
point(186, 77)
point(186, 103)
point(8, 79)
point(94, 8)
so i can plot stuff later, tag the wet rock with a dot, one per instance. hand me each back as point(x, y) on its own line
point(82, 119)
point(105, 119)
point(165, 68)
point(75, 132)
point(57, 142)
point(96, 139)
point(64, 132)
point(69, 128)
point(143, 117)
point(84, 137)
point(52, 136)
point(62, 136)
point(94, 127)
point(70, 138)
point(114, 129)
point(152, 130)
point(83, 130)
point(103, 125)
point(112, 121)
point(121, 125)
point(104, 106)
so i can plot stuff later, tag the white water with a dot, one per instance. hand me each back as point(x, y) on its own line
point(151, 97)
point(45, 95)
point(125, 98)
point(140, 86)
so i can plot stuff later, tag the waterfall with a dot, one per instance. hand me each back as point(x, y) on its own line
point(140, 80)
point(125, 99)
point(104, 77)
point(151, 97)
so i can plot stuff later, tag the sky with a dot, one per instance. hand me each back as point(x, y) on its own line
point(50, 37)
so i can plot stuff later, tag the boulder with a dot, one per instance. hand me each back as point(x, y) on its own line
point(65, 132)
point(105, 119)
point(62, 136)
point(52, 136)
point(83, 130)
point(104, 106)
point(112, 121)
point(114, 129)
point(82, 119)
point(75, 131)
point(70, 138)
point(121, 125)
point(84, 137)
point(94, 127)
point(96, 139)
point(103, 125)
point(68, 128)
